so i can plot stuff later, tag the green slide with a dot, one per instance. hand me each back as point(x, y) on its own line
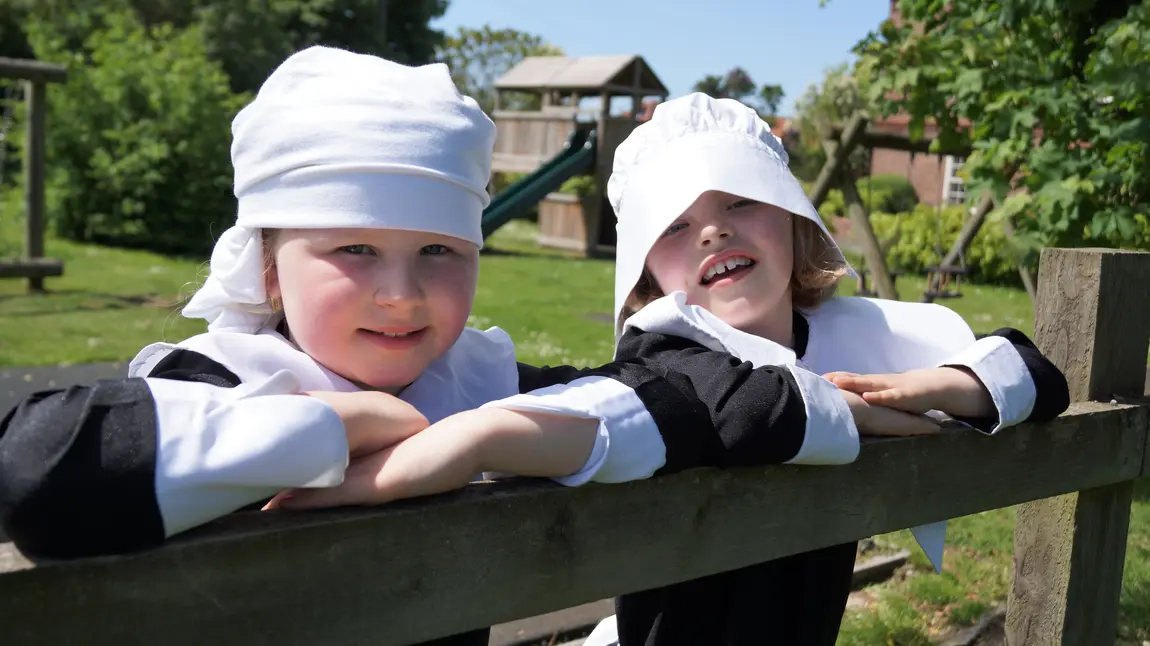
point(576, 158)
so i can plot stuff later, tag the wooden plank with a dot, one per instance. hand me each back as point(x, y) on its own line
point(846, 141)
point(552, 114)
point(32, 70)
point(492, 553)
point(1092, 319)
point(34, 152)
point(512, 163)
point(872, 250)
point(971, 227)
point(872, 138)
point(31, 268)
point(1023, 272)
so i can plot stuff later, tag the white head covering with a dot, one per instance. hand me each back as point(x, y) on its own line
point(692, 145)
point(336, 139)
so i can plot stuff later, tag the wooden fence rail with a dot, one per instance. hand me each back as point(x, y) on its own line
point(496, 552)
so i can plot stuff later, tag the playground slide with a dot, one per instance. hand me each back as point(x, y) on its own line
point(577, 157)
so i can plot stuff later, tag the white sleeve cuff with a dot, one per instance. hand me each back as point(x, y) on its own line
point(219, 449)
point(997, 364)
point(831, 436)
point(628, 445)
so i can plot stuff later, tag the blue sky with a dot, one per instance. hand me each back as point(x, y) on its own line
point(776, 41)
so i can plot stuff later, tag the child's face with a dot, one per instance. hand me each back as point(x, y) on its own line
point(722, 230)
point(375, 306)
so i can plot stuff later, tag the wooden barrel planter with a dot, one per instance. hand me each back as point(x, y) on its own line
point(564, 223)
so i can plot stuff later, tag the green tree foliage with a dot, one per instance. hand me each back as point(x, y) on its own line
point(139, 135)
point(249, 38)
point(823, 106)
point(1062, 89)
point(737, 84)
point(478, 57)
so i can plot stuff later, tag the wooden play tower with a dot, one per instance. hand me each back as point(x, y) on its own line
point(526, 140)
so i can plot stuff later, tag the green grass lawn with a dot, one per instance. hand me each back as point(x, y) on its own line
point(110, 303)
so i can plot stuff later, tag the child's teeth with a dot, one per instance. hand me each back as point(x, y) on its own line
point(725, 266)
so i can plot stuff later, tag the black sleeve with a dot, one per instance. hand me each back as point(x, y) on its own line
point(711, 408)
point(77, 465)
point(1052, 394)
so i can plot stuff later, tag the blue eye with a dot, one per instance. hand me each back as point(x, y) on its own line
point(357, 249)
point(678, 226)
point(435, 250)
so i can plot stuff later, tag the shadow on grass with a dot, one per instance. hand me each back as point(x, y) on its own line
point(109, 302)
point(1142, 491)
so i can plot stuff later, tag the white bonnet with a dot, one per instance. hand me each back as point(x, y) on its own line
point(336, 139)
point(692, 145)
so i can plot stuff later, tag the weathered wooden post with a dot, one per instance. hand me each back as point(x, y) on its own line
point(1092, 318)
point(36, 76)
point(36, 99)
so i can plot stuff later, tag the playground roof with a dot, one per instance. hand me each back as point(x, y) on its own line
point(615, 74)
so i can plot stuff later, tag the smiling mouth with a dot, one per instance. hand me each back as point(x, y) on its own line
point(729, 268)
point(394, 339)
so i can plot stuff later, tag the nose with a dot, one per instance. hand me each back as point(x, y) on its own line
point(713, 230)
point(397, 286)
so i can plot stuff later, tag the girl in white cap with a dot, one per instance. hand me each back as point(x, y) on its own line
point(725, 270)
point(348, 276)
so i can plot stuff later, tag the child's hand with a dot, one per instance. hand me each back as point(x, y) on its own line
point(441, 458)
point(451, 452)
point(373, 420)
point(878, 420)
point(954, 391)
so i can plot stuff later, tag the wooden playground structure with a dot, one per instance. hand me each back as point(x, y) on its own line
point(943, 279)
point(36, 76)
point(528, 139)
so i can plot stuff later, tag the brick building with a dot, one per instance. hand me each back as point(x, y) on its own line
point(934, 177)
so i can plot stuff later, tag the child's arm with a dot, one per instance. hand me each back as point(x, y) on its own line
point(449, 454)
point(710, 409)
point(123, 464)
point(999, 381)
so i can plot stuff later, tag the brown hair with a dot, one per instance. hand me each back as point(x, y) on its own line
point(268, 243)
point(814, 277)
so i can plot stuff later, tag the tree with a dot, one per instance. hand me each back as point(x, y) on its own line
point(1062, 90)
point(711, 86)
point(771, 96)
point(478, 57)
point(823, 106)
point(737, 84)
point(139, 135)
point(249, 38)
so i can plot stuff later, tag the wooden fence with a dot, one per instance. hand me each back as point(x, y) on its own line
point(496, 552)
point(36, 77)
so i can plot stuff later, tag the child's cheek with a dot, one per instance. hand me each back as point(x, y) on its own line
point(450, 290)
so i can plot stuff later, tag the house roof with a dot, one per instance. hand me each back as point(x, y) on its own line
point(580, 73)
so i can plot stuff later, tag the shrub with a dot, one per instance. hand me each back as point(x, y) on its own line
point(881, 193)
point(138, 137)
point(926, 233)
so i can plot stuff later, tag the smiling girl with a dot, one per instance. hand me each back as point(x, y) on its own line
point(721, 254)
